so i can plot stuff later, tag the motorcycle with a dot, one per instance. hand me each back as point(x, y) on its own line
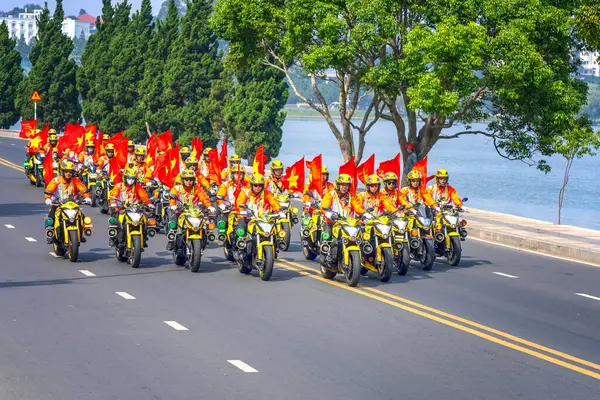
point(341, 253)
point(225, 232)
point(311, 231)
point(103, 187)
point(284, 225)
point(189, 237)
point(67, 226)
point(448, 231)
point(89, 177)
point(417, 236)
point(128, 232)
point(401, 245)
point(377, 249)
point(34, 169)
point(255, 248)
point(160, 199)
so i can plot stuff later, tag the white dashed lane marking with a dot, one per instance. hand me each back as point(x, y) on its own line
point(588, 296)
point(176, 325)
point(30, 239)
point(505, 275)
point(242, 365)
point(86, 272)
point(9, 226)
point(125, 295)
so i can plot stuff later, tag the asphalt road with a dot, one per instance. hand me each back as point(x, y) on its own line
point(452, 333)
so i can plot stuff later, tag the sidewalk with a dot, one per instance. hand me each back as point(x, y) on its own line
point(565, 241)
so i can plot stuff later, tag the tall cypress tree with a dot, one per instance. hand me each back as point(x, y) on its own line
point(11, 76)
point(52, 74)
point(193, 64)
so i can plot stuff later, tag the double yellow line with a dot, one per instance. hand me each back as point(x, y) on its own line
point(12, 165)
point(482, 331)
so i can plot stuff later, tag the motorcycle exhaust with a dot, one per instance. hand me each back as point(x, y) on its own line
point(463, 233)
point(98, 192)
point(87, 232)
point(212, 237)
point(399, 246)
point(304, 242)
point(367, 248)
point(151, 233)
point(415, 243)
point(112, 232)
point(325, 248)
point(171, 236)
point(281, 245)
point(439, 237)
point(305, 233)
point(49, 233)
point(221, 238)
point(241, 243)
point(295, 220)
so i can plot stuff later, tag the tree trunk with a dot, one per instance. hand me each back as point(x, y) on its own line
point(561, 192)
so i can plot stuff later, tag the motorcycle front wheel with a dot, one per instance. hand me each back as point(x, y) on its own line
point(385, 269)
point(352, 270)
point(455, 251)
point(288, 232)
point(267, 269)
point(404, 260)
point(196, 255)
point(73, 246)
point(136, 252)
point(428, 255)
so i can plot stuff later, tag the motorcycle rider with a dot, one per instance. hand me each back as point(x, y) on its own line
point(191, 163)
point(130, 152)
point(103, 162)
point(442, 192)
point(275, 182)
point(258, 199)
point(62, 187)
point(340, 202)
point(234, 161)
point(391, 191)
point(184, 154)
point(86, 158)
point(415, 193)
point(52, 141)
point(230, 190)
point(204, 163)
point(309, 201)
point(373, 198)
point(128, 192)
point(139, 165)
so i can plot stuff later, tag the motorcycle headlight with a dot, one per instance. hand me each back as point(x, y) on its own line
point(91, 175)
point(351, 230)
point(134, 217)
point(451, 219)
point(194, 222)
point(425, 221)
point(165, 196)
point(71, 214)
point(400, 224)
point(266, 227)
point(384, 229)
point(285, 205)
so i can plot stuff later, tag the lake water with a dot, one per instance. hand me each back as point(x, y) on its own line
point(476, 171)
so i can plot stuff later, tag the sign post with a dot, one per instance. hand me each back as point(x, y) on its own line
point(35, 97)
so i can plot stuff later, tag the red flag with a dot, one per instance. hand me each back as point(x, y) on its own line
point(121, 152)
point(151, 146)
point(48, 167)
point(38, 141)
point(165, 141)
point(223, 156)
point(162, 169)
point(214, 169)
point(294, 177)
point(258, 167)
point(350, 169)
point(392, 165)
point(90, 133)
point(174, 166)
point(114, 170)
point(421, 166)
point(196, 148)
point(365, 169)
point(315, 166)
point(28, 129)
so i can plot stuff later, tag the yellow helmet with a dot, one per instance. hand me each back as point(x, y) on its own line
point(184, 150)
point(372, 180)
point(206, 150)
point(67, 166)
point(52, 131)
point(235, 158)
point(191, 161)
point(105, 136)
point(257, 179)
point(324, 170)
point(130, 143)
point(188, 174)
point(110, 147)
point(342, 179)
point(390, 176)
point(140, 151)
point(130, 173)
point(414, 174)
point(276, 164)
point(52, 137)
point(442, 173)
point(90, 143)
point(235, 169)
point(38, 131)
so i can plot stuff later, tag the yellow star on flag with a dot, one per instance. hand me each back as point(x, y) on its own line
point(255, 167)
point(80, 141)
point(35, 142)
point(293, 180)
point(88, 135)
point(194, 153)
point(113, 176)
point(31, 132)
point(173, 161)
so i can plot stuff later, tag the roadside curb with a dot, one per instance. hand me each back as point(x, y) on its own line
point(10, 134)
point(527, 243)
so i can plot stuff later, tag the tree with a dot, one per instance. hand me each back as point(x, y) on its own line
point(253, 115)
point(180, 5)
point(587, 23)
point(23, 48)
point(193, 64)
point(11, 76)
point(79, 45)
point(452, 63)
point(577, 142)
point(53, 74)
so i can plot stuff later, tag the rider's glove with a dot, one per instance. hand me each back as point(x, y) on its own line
point(48, 202)
point(87, 200)
point(174, 208)
point(328, 214)
point(211, 209)
point(151, 206)
point(281, 214)
point(367, 215)
point(222, 207)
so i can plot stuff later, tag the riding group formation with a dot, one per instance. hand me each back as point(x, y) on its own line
point(197, 196)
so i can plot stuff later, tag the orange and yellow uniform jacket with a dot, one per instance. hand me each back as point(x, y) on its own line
point(396, 198)
point(103, 162)
point(85, 158)
point(141, 171)
point(445, 195)
point(193, 195)
point(345, 206)
point(131, 158)
point(327, 187)
point(275, 186)
point(260, 204)
point(129, 194)
point(419, 195)
point(379, 202)
point(228, 190)
point(60, 188)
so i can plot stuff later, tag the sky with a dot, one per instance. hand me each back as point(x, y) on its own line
point(72, 7)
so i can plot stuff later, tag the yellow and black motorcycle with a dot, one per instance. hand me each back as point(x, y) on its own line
point(286, 224)
point(189, 237)
point(65, 230)
point(417, 236)
point(311, 230)
point(341, 253)
point(225, 230)
point(255, 248)
point(128, 231)
point(401, 244)
point(89, 178)
point(448, 231)
point(103, 187)
point(34, 168)
point(377, 249)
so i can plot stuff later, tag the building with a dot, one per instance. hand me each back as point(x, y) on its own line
point(73, 28)
point(589, 64)
point(25, 25)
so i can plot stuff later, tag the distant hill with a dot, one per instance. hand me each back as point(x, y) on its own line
point(17, 10)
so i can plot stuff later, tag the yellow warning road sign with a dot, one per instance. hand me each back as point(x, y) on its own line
point(35, 96)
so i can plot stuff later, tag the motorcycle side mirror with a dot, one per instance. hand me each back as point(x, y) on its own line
point(465, 199)
point(401, 208)
point(370, 210)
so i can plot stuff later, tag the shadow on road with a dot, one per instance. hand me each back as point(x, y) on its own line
point(22, 209)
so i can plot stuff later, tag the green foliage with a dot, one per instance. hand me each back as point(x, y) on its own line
point(180, 5)
point(587, 23)
point(52, 74)
point(193, 64)
point(592, 108)
point(254, 116)
point(11, 76)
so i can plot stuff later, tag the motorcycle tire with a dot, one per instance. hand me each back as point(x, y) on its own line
point(268, 261)
point(243, 268)
point(39, 180)
point(327, 274)
point(428, 257)
point(73, 246)
point(32, 183)
point(136, 252)
point(455, 251)
point(94, 200)
point(404, 260)
point(58, 249)
point(228, 253)
point(385, 270)
point(196, 255)
point(288, 236)
point(352, 270)
point(309, 254)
